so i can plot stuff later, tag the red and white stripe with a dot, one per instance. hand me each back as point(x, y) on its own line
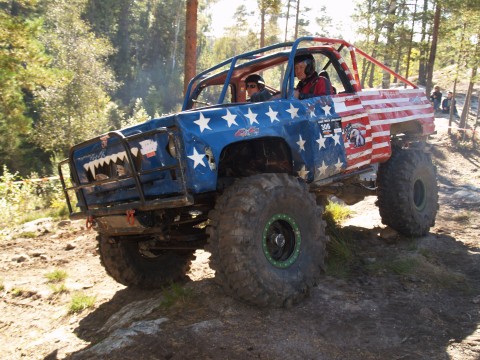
point(376, 111)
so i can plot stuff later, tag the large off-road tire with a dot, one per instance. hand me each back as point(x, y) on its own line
point(267, 240)
point(124, 261)
point(408, 192)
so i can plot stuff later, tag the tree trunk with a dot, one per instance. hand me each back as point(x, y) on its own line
point(286, 20)
point(433, 49)
point(466, 107)
point(296, 19)
point(366, 64)
point(262, 27)
point(467, 104)
point(410, 44)
point(459, 59)
point(474, 137)
point(388, 57)
point(123, 66)
point(422, 78)
point(190, 42)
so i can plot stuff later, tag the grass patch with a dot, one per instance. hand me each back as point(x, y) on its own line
point(17, 292)
point(2, 286)
point(337, 213)
point(27, 235)
point(340, 248)
point(419, 266)
point(59, 289)
point(403, 266)
point(81, 301)
point(441, 276)
point(59, 213)
point(407, 265)
point(56, 276)
point(175, 294)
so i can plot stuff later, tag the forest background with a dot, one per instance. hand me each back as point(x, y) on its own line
point(73, 69)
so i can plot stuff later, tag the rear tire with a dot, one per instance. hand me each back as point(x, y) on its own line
point(267, 240)
point(408, 192)
point(124, 261)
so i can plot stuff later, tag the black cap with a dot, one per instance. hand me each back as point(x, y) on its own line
point(255, 78)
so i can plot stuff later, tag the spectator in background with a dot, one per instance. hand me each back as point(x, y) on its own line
point(449, 102)
point(256, 88)
point(436, 98)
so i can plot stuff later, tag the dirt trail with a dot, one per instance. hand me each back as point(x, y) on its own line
point(378, 310)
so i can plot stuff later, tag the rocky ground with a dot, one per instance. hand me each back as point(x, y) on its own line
point(398, 298)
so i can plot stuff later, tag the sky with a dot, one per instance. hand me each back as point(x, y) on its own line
point(339, 10)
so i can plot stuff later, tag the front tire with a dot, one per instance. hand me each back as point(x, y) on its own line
point(130, 264)
point(267, 240)
point(408, 192)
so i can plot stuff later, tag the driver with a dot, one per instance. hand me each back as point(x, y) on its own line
point(256, 90)
point(311, 84)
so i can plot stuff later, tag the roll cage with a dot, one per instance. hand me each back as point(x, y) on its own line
point(232, 71)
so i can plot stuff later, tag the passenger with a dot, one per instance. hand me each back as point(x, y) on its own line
point(311, 84)
point(256, 88)
point(324, 73)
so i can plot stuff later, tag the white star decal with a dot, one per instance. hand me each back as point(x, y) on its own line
point(339, 165)
point(323, 168)
point(272, 114)
point(197, 158)
point(321, 142)
point(230, 118)
point(203, 123)
point(252, 117)
point(293, 111)
point(336, 137)
point(303, 172)
point(326, 108)
point(301, 143)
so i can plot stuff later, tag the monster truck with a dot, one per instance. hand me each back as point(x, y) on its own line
point(248, 181)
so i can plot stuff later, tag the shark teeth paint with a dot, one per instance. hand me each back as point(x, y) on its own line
point(93, 165)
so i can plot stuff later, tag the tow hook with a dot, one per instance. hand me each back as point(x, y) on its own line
point(131, 217)
point(89, 223)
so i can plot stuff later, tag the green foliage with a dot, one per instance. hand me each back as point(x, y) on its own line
point(15, 197)
point(17, 292)
point(59, 289)
point(337, 213)
point(402, 266)
point(148, 36)
point(139, 115)
point(81, 301)
point(27, 235)
point(23, 200)
point(424, 266)
point(175, 294)
point(340, 248)
point(24, 68)
point(74, 107)
point(56, 276)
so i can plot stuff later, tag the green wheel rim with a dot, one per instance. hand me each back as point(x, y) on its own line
point(281, 241)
